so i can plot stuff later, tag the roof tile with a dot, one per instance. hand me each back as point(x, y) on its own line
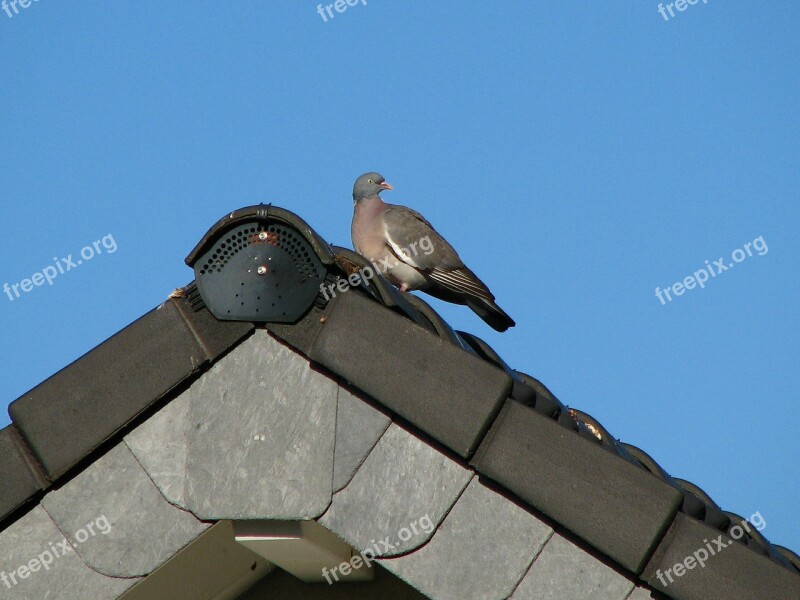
point(617, 507)
point(277, 417)
point(131, 529)
point(563, 570)
point(402, 481)
point(359, 426)
point(19, 473)
point(732, 572)
point(481, 550)
point(70, 414)
point(410, 371)
point(36, 537)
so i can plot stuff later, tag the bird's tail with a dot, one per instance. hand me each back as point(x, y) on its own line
point(488, 310)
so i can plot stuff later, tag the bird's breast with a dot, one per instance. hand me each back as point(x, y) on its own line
point(367, 229)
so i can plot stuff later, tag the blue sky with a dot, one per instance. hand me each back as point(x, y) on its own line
point(577, 154)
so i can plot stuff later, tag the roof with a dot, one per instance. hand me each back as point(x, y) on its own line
point(189, 456)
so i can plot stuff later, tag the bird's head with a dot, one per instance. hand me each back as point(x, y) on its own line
point(368, 185)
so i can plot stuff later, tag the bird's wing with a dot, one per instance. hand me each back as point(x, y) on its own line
point(415, 242)
point(462, 281)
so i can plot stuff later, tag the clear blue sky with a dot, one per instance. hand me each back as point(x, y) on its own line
point(577, 154)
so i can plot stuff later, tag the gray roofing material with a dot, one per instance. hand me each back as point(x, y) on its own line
point(295, 410)
point(171, 412)
point(481, 550)
point(21, 475)
point(626, 525)
point(67, 577)
point(116, 489)
point(359, 426)
point(367, 345)
point(402, 480)
point(645, 594)
point(563, 570)
point(737, 565)
point(70, 414)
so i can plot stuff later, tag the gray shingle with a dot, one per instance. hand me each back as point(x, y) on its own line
point(359, 426)
point(35, 537)
point(277, 418)
point(366, 344)
point(697, 562)
point(161, 443)
point(402, 481)
point(19, 472)
point(72, 413)
point(253, 438)
point(135, 529)
point(563, 570)
point(615, 506)
point(481, 550)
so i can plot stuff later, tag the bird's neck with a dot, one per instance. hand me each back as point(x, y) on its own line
point(369, 206)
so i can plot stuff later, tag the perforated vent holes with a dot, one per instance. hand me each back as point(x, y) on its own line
point(259, 272)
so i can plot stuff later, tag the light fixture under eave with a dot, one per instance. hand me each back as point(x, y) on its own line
point(305, 549)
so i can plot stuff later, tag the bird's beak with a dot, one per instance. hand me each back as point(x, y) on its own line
point(386, 186)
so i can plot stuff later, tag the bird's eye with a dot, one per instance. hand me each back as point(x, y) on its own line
point(369, 180)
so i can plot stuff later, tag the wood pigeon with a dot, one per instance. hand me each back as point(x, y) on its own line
point(412, 255)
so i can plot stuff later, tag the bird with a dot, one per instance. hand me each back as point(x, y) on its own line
point(411, 254)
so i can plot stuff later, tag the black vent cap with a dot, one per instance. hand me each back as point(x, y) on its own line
point(260, 264)
point(262, 212)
